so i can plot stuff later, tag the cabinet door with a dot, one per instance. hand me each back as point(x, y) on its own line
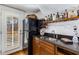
point(46, 48)
point(45, 51)
point(36, 47)
point(11, 32)
point(42, 51)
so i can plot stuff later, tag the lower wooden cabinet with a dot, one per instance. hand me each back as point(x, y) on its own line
point(36, 46)
point(44, 51)
point(61, 51)
point(41, 47)
point(46, 48)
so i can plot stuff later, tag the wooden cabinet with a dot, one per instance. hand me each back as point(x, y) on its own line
point(41, 47)
point(46, 48)
point(36, 46)
point(61, 51)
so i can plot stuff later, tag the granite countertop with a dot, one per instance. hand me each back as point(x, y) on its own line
point(74, 48)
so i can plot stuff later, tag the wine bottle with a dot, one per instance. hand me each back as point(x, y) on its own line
point(72, 14)
point(57, 15)
point(61, 16)
point(51, 16)
point(48, 17)
point(54, 17)
point(66, 14)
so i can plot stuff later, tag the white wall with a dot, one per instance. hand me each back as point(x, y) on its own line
point(63, 28)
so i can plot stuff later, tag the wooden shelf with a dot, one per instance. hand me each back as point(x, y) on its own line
point(64, 20)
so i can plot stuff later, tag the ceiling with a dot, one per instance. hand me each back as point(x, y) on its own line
point(41, 7)
point(25, 7)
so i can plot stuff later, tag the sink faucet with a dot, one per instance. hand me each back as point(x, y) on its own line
point(55, 35)
point(53, 31)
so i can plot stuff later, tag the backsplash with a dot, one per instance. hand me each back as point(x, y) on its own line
point(63, 28)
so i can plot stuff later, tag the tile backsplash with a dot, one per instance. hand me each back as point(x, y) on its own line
point(63, 28)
